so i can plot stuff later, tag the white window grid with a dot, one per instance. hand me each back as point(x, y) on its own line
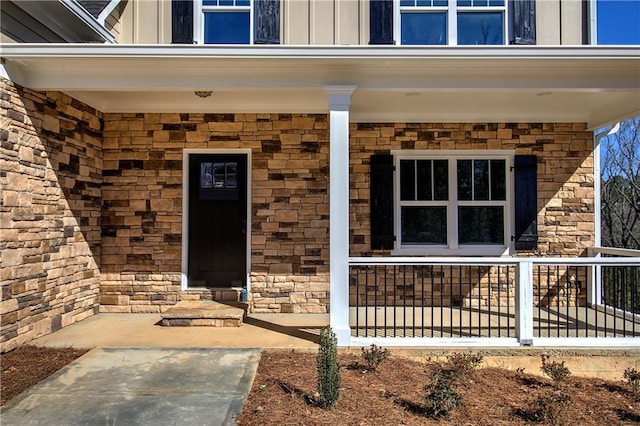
point(452, 9)
point(452, 204)
point(201, 9)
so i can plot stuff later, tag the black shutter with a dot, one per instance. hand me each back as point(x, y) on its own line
point(524, 22)
point(267, 21)
point(526, 194)
point(381, 194)
point(381, 22)
point(182, 22)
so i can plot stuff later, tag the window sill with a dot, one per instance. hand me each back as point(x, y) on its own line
point(480, 251)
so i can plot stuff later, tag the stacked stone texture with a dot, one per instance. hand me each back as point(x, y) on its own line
point(50, 202)
point(565, 202)
point(142, 214)
point(91, 213)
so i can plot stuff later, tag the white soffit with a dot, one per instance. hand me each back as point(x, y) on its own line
point(521, 83)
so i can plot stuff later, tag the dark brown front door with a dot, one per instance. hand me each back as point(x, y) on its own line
point(217, 220)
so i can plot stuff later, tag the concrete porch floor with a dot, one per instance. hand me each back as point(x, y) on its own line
point(143, 330)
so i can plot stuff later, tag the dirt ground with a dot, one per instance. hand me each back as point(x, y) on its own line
point(25, 366)
point(284, 392)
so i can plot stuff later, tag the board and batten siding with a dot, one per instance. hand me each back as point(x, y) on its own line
point(345, 22)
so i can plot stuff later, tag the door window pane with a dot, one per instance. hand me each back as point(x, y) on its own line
point(481, 225)
point(226, 27)
point(206, 175)
point(480, 28)
point(424, 225)
point(428, 28)
point(231, 180)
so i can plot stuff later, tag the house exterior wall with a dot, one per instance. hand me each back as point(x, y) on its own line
point(565, 173)
point(50, 178)
point(142, 215)
point(338, 22)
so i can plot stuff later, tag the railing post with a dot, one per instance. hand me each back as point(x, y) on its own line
point(524, 302)
point(339, 101)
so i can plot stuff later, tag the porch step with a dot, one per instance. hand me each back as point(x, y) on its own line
point(202, 313)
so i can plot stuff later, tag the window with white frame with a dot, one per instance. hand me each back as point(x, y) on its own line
point(226, 22)
point(452, 22)
point(453, 203)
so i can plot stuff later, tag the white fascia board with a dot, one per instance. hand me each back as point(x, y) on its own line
point(323, 52)
point(108, 9)
point(88, 19)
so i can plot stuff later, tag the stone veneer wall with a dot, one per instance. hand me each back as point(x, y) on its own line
point(142, 213)
point(50, 177)
point(565, 173)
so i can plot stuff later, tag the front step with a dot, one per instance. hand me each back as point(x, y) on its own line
point(202, 313)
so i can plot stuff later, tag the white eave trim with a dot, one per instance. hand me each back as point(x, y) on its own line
point(88, 20)
point(320, 52)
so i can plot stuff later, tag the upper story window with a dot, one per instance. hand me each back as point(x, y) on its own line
point(454, 204)
point(452, 22)
point(226, 22)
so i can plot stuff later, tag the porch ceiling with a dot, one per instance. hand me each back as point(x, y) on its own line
point(589, 84)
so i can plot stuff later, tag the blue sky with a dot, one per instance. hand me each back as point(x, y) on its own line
point(618, 21)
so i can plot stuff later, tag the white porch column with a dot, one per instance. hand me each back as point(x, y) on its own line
point(524, 302)
point(339, 101)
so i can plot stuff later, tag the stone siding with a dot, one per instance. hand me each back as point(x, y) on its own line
point(50, 178)
point(142, 214)
point(565, 205)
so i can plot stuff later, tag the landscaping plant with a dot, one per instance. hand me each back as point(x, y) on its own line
point(463, 363)
point(374, 356)
point(441, 397)
point(328, 368)
point(633, 378)
point(557, 371)
point(550, 407)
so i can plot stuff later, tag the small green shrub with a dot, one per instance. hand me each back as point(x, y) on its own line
point(463, 363)
point(374, 356)
point(441, 397)
point(328, 368)
point(550, 407)
point(557, 371)
point(633, 379)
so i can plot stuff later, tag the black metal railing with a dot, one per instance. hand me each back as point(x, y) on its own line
point(436, 301)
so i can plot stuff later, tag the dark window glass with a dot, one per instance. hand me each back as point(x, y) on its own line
point(496, 3)
point(440, 180)
point(498, 180)
point(242, 3)
point(226, 27)
point(481, 179)
point(464, 3)
point(210, 3)
point(424, 225)
point(206, 175)
point(424, 28)
point(465, 179)
point(407, 180)
point(404, 3)
point(479, 28)
point(481, 225)
point(424, 190)
point(440, 3)
point(225, 2)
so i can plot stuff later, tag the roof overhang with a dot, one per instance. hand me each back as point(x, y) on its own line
point(596, 85)
point(51, 21)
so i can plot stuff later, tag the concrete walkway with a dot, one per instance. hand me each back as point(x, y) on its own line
point(142, 330)
point(120, 386)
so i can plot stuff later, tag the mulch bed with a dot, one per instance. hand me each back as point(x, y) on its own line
point(25, 366)
point(284, 392)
